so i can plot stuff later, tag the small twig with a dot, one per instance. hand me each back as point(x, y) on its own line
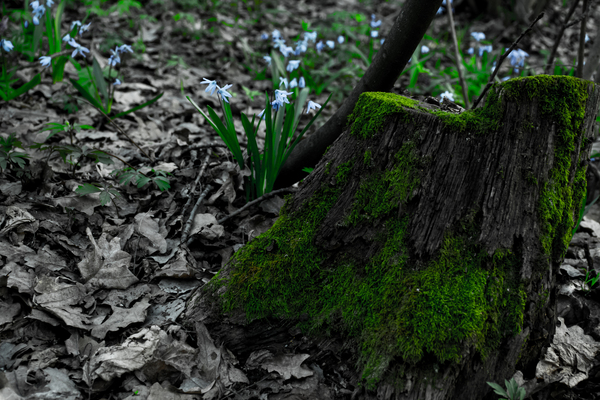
point(559, 37)
point(194, 186)
point(188, 224)
point(118, 158)
point(582, 16)
point(205, 146)
point(459, 66)
point(256, 201)
point(502, 58)
point(580, 55)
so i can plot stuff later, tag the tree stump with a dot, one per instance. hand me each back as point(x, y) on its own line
point(426, 239)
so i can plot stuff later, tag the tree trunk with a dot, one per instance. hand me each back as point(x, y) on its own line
point(401, 41)
point(429, 241)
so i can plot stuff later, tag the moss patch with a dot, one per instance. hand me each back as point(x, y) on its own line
point(373, 109)
point(562, 99)
point(383, 191)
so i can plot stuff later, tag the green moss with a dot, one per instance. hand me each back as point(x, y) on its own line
point(383, 191)
point(343, 172)
point(367, 158)
point(564, 101)
point(372, 109)
point(394, 306)
point(327, 168)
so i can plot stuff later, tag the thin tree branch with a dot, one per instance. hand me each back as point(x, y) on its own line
point(502, 58)
point(580, 55)
point(459, 64)
point(561, 32)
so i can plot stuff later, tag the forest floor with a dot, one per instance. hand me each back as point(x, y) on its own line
point(91, 296)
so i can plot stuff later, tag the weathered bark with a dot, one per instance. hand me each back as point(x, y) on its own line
point(429, 241)
point(401, 41)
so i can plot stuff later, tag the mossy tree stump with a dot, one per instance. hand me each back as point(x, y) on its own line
point(428, 239)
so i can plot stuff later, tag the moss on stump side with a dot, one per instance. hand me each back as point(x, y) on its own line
point(462, 297)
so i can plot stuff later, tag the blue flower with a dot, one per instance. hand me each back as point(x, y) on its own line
point(301, 83)
point(84, 28)
point(281, 96)
point(292, 65)
point(74, 24)
point(424, 49)
point(212, 85)
point(224, 94)
point(45, 61)
point(517, 58)
point(301, 47)
point(312, 36)
point(381, 41)
point(125, 48)
point(319, 46)
point(38, 11)
point(278, 43)
point(374, 34)
point(267, 59)
point(264, 36)
point(485, 48)
point(26, 24)
point(280, 99)
point(114, 59)
point(312, 106)
point(330, 43)
point(66, 38)
point(293, 83)
point(448, 95)
point(36, 20)
point(479, 36)
point(374, 24)
point(262, 115)
point(117, 82)
point(78, 48)
point(49, 3)
point(6, 45)
point(340, 39)
point(283, 81)
point(275, 34)
point(471, 50)
point(286, 50)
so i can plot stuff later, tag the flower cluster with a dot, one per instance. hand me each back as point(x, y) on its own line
point(517, 58)
point(479, 36)
point(38, 10)
point(114, 59)
point(375, 24)
point(281, 99)
point(221, 91)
